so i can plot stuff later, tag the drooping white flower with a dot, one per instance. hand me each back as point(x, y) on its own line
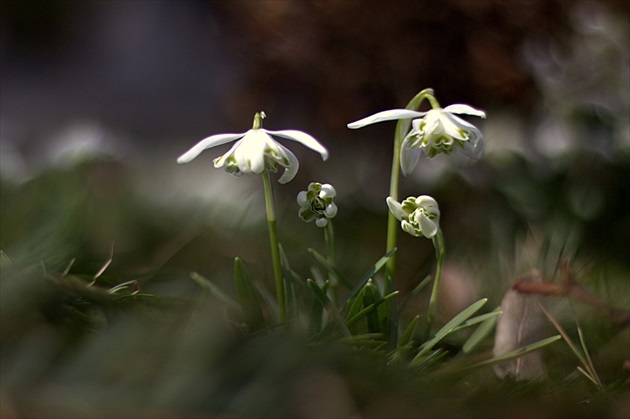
point(433, 132)
point(418, 216)
point(317, 203)
point(256, 151)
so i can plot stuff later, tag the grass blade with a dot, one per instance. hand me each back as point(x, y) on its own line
point(247, 297)
point(369, 274)
point(330, 268)
point(213, 290)
point(450, 327)
point(518, 352)
point(484, 329)
point(323, 299)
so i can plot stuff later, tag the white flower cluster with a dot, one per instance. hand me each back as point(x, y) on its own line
point(317, 203)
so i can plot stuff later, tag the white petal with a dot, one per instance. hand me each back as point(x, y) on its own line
point(250, 155)
point(390, 115)
point(291, 170)
point(331, 210)
point(327, 191)
point(475, 147)
point(408, 227)
point(302, 138)
point(463, 123)
point(465, 109)
point(453, 126)
point(429, 204)
point(212, 141)
point(396, 208)
point(408, 157)
point(428, 227)
point(321, 222)
point(301, 199)
point(220, 161)
point(433, 122)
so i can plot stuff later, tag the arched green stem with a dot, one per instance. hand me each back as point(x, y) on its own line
point(401, 131)
point(440, 250)
point(275, 248)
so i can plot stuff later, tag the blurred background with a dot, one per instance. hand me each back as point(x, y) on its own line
point(98, 99)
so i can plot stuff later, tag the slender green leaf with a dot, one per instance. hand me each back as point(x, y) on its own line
point(330, 268)
point(367, 339)
point(518, 352)
point(350, 322)
point(369, 274)
point(476, 320)
point(370, 297)
point(323, 299)
point(213, 290)
point(247, 296)
point(289, 273)
point(392, 313)
point(415, 292)
point(409, 332)
point(317, 311)
point(484, 329)
point(449, 327)
point(357, 307)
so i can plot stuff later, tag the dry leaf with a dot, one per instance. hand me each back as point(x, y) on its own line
point(521, 323)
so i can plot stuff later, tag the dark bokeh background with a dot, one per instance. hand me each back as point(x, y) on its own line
point(158, 70)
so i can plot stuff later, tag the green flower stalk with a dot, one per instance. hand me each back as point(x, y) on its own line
point(316, 204)
point(420, 217)
point(257, 152)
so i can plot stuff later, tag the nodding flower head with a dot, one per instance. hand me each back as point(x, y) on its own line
point(438, 131)
point(256, 151)
point(317, 203)
point(418, 216)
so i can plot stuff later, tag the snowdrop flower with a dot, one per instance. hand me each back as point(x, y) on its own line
point(433, 132)
point(256, 151)
point(317, 203)
point(418, 216)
